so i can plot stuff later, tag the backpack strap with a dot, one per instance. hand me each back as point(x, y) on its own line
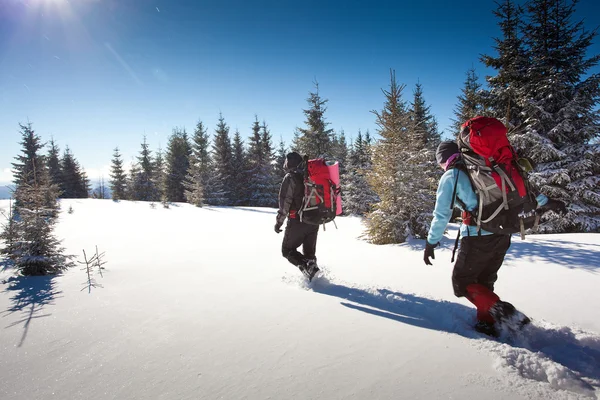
point(456, 244)
point(461, 203)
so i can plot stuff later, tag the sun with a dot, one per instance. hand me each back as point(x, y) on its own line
point(57, 8)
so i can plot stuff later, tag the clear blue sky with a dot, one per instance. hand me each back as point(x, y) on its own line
point(96, 74)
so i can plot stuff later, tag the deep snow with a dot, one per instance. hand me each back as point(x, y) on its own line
point(199, 304)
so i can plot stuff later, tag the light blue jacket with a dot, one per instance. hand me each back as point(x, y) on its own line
point(443, 211)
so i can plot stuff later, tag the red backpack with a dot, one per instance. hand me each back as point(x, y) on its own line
point(506, 203)
point(322, 195)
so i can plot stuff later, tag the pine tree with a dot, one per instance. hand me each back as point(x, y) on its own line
point(29, 236)
point(390, 220)
point(424, 129)
point(340, 151)
point(358, 197)
point(134, 170)
point(315, 139)
point(470, 102)
point(511, 63)
point(221, 181)
point(263, 177)
point(54, 170)
point(143, 182)
point(560, 99)
point(118, 179)
point(158, 177)
point(23, 168)
point(199, 182)
point(75, 183)
point(271, 174)
point(239, 172)
point(177, 161)
point(420, 168)
point(279, 160)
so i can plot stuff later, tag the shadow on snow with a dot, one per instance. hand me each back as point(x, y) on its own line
point(29, 297)
point(578, 353)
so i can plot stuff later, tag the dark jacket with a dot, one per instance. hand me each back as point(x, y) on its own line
point(291, 194)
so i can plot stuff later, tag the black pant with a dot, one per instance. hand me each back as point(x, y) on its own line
point(479, 259)
point(298, 233)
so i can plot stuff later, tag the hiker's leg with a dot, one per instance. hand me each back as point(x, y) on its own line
point(497, 248)
point(483, 298)
point(473, 257)
point(292, 239)
point(309, 245)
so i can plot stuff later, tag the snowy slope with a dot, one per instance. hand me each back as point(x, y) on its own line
point(199, 304)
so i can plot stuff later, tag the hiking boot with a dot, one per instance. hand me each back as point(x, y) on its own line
point(312, 268)
point(304, 269)
point(487, 328)
point(507, 315)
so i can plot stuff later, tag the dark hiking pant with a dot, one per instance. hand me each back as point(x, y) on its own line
point(479, 259)
point(298, 233)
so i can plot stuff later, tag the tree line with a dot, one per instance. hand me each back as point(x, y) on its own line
point(542, 89)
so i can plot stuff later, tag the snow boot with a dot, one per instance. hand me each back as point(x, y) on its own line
point(487, 328)
point(508, 317)
point(304, 269)
point(312, 268)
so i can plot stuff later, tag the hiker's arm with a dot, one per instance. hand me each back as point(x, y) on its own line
point(286, 196)
point(443, 210)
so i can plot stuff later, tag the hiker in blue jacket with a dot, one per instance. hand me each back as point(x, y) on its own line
point(481, 254)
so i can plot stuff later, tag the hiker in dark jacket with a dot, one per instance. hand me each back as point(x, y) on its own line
point(297, 233)
point(481, 254)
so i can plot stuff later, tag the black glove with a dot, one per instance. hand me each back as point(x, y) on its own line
point(557, 206)
point(277, 227)
point(429, 252)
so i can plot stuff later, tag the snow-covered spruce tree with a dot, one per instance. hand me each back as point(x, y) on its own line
point(239, 172)
point(512, 63)
point(560, 101)
point(421, 165)
point(358, 196)
point(74, 182)
point(23, 167)
point(118, 178)
point(279, 160)
point(260, 174)
point(315, 139)
point(295, 146)
point(134, 170)
point(389, 221)
point(339, 151)
point(197, 185)
point(54, 170)
point(470, 102)
point(37, 251)
point(144, 188)
point(271, 169)
point(220, 193)
point(33, 247)
point(177, 162)
point(158, 177)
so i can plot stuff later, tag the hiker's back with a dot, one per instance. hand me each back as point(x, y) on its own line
point(322, 199)
point(506, 203)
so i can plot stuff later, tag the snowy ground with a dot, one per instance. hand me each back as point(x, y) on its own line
point(199, 304)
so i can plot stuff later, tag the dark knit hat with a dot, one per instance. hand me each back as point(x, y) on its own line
point(292, 160)
point(445, 150)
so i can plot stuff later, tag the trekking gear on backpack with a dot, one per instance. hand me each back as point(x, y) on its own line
point(322, 195)
point(506, 203)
